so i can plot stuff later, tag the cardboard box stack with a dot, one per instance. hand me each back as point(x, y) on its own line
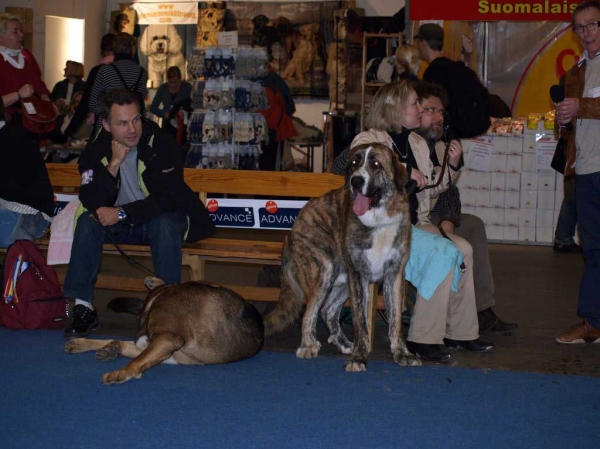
point(507, 180)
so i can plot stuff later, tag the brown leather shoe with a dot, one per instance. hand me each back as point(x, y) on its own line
point(579, 333)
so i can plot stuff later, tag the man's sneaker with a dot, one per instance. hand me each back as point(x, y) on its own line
point(490, 324)
point(84, 321)
point(567, 249)
point(579, 333)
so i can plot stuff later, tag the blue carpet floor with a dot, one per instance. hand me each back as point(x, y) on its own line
point(54, 400)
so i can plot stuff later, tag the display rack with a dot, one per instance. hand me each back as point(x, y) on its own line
point(364, 84)
point(225, 129)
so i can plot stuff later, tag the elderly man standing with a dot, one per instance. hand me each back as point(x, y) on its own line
point(579, 119)
point(447, 214)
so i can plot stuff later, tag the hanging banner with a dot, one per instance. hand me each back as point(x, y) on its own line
point(494, 10)
point(167, 13)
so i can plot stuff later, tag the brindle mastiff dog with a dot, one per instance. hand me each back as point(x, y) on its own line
point(187, 324)
point(339, 244)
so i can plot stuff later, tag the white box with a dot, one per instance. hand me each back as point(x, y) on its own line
point(529, 181)
point(482, 198)
point(527, 218)
point(513, 182)
point(500, 144)
point(498, 181)
point(467, 197)
point(529, 162)
point(484, 180)
point(511, 217)
point(467, 179)
point(529, 139)
point(526, 234)
point(484, 214)
point(498, 162)
point(547, 180)
point(496, 199)
point(513, 163)
point(544, 218)
point(467, 209)
point(494, 232)
point(529, 199)
point(515, 145)
point(545, 199)
point(544, 234)
point(512, 200)
point(496, 217)
point(511, 233)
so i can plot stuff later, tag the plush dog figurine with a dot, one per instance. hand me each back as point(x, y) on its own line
point(162, 44)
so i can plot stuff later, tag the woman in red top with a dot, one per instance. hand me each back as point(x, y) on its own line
point(20, 74)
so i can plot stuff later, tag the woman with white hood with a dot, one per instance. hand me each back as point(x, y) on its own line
point(20, 74)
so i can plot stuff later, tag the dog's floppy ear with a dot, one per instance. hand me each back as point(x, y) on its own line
point(175, 42)
point(400, 173)
point(152, 282)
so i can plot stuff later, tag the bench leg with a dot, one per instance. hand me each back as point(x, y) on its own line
point(195, 266)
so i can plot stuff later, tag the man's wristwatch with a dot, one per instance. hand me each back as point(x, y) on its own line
point(122, 215)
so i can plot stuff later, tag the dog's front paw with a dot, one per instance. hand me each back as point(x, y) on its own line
point(109, 352)
point(355, 366)
point(407, 360)
point(118, 377)
point(308, 352)
point(76, 345)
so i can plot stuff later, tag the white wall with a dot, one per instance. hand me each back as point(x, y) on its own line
point(71, 33)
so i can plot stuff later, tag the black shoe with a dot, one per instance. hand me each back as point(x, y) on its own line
point(429, 353)
point(490, 324)
point(567, 249)
point(470, 345)
point(84, 321)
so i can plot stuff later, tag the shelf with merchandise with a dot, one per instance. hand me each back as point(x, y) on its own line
point(225, 129)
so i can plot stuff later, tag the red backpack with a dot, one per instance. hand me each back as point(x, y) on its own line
point(32, 296)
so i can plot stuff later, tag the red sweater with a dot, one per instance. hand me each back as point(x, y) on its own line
point(12, 79)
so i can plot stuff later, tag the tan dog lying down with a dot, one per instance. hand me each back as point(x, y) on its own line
point(187, 324)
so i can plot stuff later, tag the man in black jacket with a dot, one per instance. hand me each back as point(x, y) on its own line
point(133, 190)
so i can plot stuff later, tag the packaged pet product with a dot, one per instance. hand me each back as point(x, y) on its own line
point(224, 125)
point(197, 94)
point(208, 127)
point(194, 155)
point(228, 61)
point(227, 93)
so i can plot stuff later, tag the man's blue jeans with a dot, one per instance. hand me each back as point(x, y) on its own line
point(567, 218)
point(164, 234)
point(588, 213)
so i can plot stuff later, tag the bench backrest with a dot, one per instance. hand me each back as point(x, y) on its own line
point(239, 182)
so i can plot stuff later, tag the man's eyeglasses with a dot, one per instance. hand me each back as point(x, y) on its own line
point(432, 111)
point(593, 26)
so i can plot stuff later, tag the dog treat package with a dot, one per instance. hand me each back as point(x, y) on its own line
point(208, 127)
point(227, 62)
point(195, 63)
point(261, 133)
point(227, 93)
point(195, 127)
point(224, 125)
point(251, 63)
point(197, 94)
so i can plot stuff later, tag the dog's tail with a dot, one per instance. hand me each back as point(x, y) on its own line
point(288, 307)
point(126, 305)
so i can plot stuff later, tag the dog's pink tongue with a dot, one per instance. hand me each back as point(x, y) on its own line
point(361, 204)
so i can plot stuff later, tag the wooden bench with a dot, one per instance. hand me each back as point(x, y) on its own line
point(278, 185)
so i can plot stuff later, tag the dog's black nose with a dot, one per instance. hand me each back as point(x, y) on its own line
point(357, 182)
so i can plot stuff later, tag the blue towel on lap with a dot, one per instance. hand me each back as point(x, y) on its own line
point(431, 259)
